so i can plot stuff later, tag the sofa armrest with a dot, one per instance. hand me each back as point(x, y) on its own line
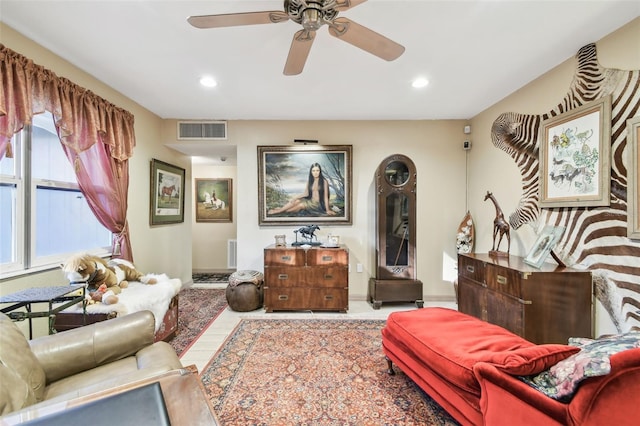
point(73, 351)
point(505, 400)
point(610, 399)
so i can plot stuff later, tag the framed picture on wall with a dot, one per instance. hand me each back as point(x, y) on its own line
point(213, 200)
point(633, 178)
point(302, 185)
point(167, 193)
point(575, 167)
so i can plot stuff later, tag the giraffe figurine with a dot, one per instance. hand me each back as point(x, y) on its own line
point(500, 227)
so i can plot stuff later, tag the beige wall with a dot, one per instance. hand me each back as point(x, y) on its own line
point(209, 240)
point(434, 146)
point(492, 169)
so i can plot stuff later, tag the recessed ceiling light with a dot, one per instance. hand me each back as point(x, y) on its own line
point(420, 82)
point(208, 81)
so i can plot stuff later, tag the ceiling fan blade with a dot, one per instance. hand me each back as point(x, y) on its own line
point(348, 4)
point(299, 51)
point(365, 39)
point(236, 19)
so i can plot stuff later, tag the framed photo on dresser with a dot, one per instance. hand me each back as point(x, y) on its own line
point(543, 245)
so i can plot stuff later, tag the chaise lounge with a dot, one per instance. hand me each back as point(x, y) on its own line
point(473, 369)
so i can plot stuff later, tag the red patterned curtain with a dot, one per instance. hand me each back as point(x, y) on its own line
point(98, 137)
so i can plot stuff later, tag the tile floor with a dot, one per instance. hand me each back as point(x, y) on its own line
point(210, 341)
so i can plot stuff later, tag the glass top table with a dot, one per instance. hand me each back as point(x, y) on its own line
point(57, 298)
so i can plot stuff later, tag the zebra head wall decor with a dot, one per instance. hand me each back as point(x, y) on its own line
point(596, 237)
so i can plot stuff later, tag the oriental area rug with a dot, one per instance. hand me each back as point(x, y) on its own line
point(312, 372)
point(197, 309)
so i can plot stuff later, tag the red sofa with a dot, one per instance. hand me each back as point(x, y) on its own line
point(469, 367)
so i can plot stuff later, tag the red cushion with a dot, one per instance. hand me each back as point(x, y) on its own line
point(451, 342)
point(532, 360)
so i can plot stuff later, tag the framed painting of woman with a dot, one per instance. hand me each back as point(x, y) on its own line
point(298, 185)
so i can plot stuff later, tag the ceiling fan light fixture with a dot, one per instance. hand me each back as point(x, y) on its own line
point(419, 83)
point(311, 19)
point(208, 81)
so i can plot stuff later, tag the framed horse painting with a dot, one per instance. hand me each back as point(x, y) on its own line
point(303, 185)
point(167, 193)
point(213, 200)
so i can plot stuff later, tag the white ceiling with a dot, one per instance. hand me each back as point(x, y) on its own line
point(474, 53)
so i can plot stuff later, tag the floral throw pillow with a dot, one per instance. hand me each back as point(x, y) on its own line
point(561, 381)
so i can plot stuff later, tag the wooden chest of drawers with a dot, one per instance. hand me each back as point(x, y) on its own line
point(546, 305)
point(315, 279)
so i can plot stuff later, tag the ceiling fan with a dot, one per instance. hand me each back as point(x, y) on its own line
point(311, 14)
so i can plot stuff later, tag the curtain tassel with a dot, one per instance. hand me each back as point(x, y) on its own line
point(116, 246)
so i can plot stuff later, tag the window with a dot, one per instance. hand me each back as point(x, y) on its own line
point(44, 217)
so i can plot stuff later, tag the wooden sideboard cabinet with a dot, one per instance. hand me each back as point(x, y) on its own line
point(546, 305)
point(315, 279)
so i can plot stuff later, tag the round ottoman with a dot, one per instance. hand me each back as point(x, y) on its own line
point(244, 292)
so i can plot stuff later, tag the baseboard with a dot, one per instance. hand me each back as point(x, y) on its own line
point(209, 285)
point(353, 297)
point(438, 299)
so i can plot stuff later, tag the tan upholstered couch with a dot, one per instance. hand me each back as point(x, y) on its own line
point(78, 362)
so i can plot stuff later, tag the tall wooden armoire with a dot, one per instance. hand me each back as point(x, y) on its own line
point(395, 279)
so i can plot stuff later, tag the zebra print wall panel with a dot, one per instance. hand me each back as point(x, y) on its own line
point(595, 237)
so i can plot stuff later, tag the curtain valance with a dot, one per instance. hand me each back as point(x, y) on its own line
point(83, 118)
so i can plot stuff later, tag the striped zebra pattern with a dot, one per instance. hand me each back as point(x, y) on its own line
point(595, 237)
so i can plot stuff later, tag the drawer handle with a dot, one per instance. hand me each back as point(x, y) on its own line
point(328, 277)
point(283, 276)
point(328, 297)
point(283, 297)
point(501, 280)
point(327, 258)
point(285, 258)
point(471, 269)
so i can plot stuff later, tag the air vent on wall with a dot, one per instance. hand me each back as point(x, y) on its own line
point(232, 254)
point(202, 130)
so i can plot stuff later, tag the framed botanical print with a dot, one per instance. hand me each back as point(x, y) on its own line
point(213, 200)
point(167, 193)
point(299, 185)
point(633, 178)
point(575, 147)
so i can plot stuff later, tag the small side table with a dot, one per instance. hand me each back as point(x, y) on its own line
point(244, 292)
point(60, 294)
